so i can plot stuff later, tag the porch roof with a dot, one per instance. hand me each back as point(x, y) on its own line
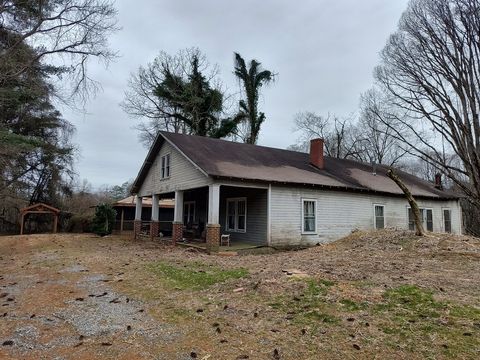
point(237, 161)
point(146, 202)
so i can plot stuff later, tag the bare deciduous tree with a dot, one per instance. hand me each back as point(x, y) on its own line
point(340, 136)
point(430, 72)
point(179, 93)
point(366, 140)
point(64, 34)
point(381, 145)
point(141, 100)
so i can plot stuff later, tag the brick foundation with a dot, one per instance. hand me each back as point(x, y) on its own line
point(154, 229)
point(213, 237)
point(137, 227)
point(177, 232)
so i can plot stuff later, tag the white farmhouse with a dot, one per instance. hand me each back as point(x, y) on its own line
point(274, 197)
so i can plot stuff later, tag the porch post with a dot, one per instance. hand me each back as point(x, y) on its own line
point(22, 221)
point(138, 208)
point(122, 217)
point(177, 226)
point(269, 215)
point(55, 223)
point(213, 226)
point(137, 223)
point(154, 224)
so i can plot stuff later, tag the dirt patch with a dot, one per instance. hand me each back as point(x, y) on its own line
point(385, 294)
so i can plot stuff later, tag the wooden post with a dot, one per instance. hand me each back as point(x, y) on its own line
point(21, 223)
point(178, 210)
point(155, 207)
point(213, 203)
point(121, 221)
point(138, 208)
point(55, 223)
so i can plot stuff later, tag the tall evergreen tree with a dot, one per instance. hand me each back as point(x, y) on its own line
point(198, 105)
point(178, 93)
point(35, 150)
point(251, 79)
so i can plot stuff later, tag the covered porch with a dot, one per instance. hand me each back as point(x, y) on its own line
point(203, 216)
point(125, 217)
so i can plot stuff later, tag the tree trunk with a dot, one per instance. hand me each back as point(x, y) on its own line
point(413, 204)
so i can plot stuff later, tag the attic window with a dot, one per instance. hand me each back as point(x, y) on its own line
point(165, 166)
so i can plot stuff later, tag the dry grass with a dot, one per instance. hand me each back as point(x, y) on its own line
point(371, 295)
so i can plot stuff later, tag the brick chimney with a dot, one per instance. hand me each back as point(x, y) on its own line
point(316, 153)
point(438, 181)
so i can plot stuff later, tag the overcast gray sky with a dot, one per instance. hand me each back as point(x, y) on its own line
point(323, 50)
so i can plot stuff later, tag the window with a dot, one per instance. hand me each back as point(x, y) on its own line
point(411, 221)
point(188, 212)
point(379, 216)
point(447, 220)
point(165, 166)
point(237, 214)
point(427, 219)
point(309, 216)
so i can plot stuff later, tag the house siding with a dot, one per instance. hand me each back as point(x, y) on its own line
point(183, 174)
point(338, 213)
point(256, 214)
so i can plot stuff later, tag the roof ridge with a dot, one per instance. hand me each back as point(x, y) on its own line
point(232, 142)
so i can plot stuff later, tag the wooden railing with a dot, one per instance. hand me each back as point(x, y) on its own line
point(128, 225)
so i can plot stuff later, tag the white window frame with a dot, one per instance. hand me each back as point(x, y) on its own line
point(303, 216)
point(375, 217)
point(443, 220)
point(235, 201)
point(424, 218)
point(163, 167)
point(194, 209)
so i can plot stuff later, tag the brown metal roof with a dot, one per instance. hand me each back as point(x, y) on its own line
point(246, 162)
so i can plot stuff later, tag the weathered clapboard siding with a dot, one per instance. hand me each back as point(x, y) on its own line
point(256, 214)
point(183, 174)
point(338, 213)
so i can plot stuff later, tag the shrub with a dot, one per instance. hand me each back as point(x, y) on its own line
point(104, 219)
point(79, 224)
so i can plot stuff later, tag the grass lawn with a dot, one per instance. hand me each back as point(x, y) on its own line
point(193, 275)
